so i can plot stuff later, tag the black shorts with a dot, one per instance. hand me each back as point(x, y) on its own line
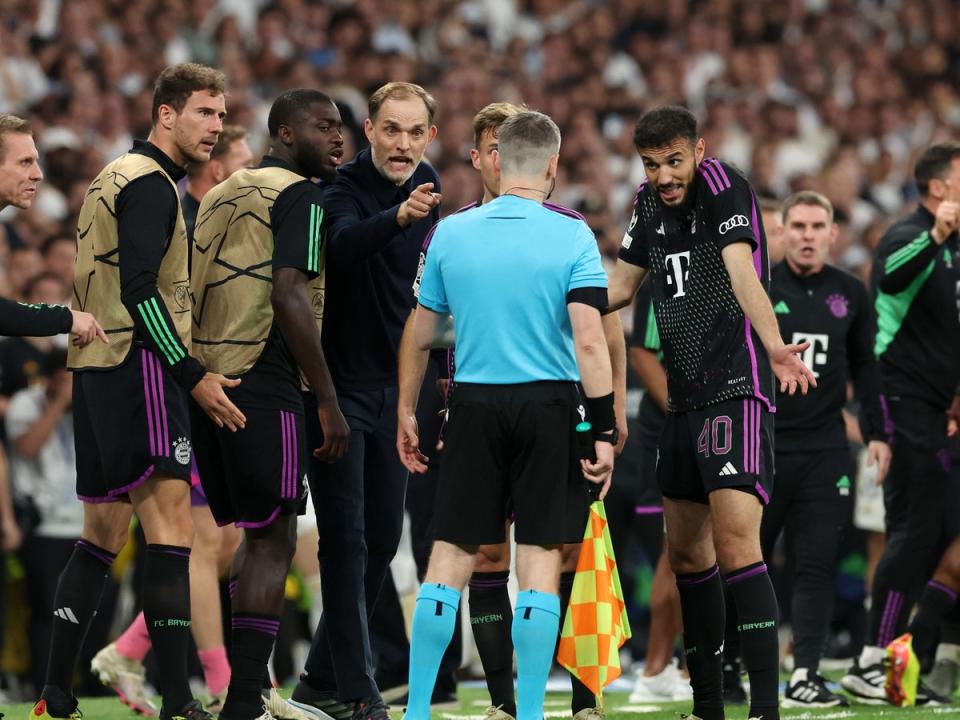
point(252, 476)
point(516, 444)
point(129, 423)
point(726, 445)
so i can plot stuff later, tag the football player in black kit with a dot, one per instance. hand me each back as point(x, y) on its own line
point(830, 309)
point(696, 230)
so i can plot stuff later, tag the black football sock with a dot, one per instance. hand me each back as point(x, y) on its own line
point(759, 644)
point(582, 696)
point(77, 598)
point(701, 604)
point(936, 601)
point(491, 618)
point(166, 608)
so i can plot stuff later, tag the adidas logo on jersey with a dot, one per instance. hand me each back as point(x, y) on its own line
point(728, 469)
point(781, 308)
point(66, 614)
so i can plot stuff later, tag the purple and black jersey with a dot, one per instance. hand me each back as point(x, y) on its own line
point(711, 352)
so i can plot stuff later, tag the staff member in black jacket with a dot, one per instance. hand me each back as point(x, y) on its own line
point(916, 276)
point(19, 176)
point(818, 304)
point(380, 210)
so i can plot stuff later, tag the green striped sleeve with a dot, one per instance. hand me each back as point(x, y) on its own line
point(160, 332)
point(313, 251)
point(907, 252)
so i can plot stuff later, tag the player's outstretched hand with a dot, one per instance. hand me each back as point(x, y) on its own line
point(213, 400)
point(336, 432)
point(408, 445)
point(86, 329)
point(600, 472)
point(878, 452)
point(790, 370)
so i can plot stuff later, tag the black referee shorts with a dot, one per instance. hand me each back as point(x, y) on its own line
point(253, 475)
point(129, 423)
point(512, 444)
point(725, 445)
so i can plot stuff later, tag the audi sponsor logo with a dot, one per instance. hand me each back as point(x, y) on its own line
point(733, 222)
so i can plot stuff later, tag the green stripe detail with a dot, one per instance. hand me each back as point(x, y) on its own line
point(907, 252)
point(313, 246)
point(651, 340)
point(892, 309)
point(162, 337)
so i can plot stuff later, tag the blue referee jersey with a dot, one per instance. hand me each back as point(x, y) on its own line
point(503, 270)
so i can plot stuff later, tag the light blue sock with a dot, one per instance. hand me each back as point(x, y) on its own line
point(536, 622)
point(433, 624)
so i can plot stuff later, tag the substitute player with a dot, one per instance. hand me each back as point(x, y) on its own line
point(130, 401)
point(817, 303)
point(19, 176)
point(696, 231)
point(916, 277)
point(514, 409)
point(259, 241)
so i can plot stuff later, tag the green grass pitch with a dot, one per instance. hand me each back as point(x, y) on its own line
point(473, 701)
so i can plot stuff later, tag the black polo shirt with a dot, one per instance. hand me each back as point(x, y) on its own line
point(371, 267)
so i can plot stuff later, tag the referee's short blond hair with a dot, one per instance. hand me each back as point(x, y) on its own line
point(11, 124)
point(527, 142)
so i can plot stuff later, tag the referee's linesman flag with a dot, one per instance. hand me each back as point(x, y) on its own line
point(596, 623)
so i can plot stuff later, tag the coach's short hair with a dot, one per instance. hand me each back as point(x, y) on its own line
point(11, 124)
point(806, 197)
point(291, 103)
point(491, 117)
point(401, 91)
point(177, 83)
point(934, 163)
point(663, 125)
point(527, 142)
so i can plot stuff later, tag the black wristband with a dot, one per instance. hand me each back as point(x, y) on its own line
point(600, 412)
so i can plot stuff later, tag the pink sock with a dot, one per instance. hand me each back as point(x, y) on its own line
point(216, 669)
point(135, 641)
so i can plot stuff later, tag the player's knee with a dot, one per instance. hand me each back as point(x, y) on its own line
point(275, 543)
point(948, 569)
point(105, 534)
point(737, 549)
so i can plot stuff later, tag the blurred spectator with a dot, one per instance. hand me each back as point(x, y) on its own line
point(22, 358)
point(24, 264)
point(60, 256)
point(40, 429)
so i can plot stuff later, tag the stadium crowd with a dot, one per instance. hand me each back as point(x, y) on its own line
point(838, 97)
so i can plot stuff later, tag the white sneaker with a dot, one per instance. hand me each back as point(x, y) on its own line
point(667, 686)
point(126, 677)
point(280, 709)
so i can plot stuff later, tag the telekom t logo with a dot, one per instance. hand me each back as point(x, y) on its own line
point(816, 354)
point(678, 265)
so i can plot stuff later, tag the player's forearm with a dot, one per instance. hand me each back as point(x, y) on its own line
point(593, 360)
point(7, 518)
point(866, 385)
point(624, 282)
point(412, 366)
point(752, 298)
point(295, 317)
point(617, 348)
point(652, 375)
point(35, 320)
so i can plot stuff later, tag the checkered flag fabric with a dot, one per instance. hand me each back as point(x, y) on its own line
point(596, 623)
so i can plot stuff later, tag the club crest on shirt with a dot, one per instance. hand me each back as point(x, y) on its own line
point(839, 305)
point(181, 296)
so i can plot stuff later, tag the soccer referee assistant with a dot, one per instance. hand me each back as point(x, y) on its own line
point(526, 332)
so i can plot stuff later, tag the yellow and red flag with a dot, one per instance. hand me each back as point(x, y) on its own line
point(596, 623)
